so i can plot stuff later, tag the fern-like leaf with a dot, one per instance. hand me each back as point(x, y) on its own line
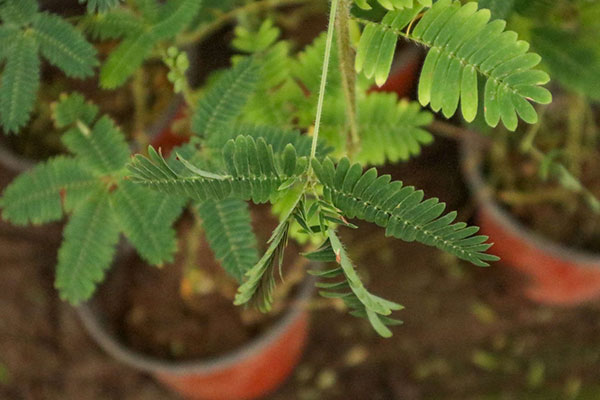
point(274, 136)
point(223, 103)
point(500, 9)
point(354, 294)
point(72, 108)
point(391, 130)
point(8, 34)
point(134, 207)
point(20, 81)
point(125, 60)
point(101, 6)
point(570, 61)
point(174, 16)
point(37, 196)
point(19, 12)
point(463, 44)
point(257, 288)
point(102, 148)
point(228, 228)
point(113, 25)
point(88, 248)
point(64, 46)
point(400, 209)
point(394, 4)
point(252, 172)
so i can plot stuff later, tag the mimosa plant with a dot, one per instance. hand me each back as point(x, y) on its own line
point(294, 130)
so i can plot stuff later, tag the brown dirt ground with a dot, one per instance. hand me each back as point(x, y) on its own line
point(468, 332)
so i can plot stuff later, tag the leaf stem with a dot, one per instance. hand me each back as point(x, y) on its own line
point(327, 56)
point(346, 61)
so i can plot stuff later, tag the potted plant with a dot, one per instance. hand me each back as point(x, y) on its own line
point(538, 192)
point(293, 129)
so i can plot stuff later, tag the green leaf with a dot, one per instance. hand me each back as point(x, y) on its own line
point(463, 44)
point(125, 60)
point(361, 302)
point(224, 102)
point(274, 136)
point(20, 81)
point(100, 6)
point(390, 131)
point(257, 288)
point(174, 16)
point(8, 34)
point(69, 109)
point(134, 207)
point(571, 61)
point(501, 9)
point(113, 25)
point(228, 229)
point(37, 196)
point(103, 149)
point(251, 172)
point(88, 248)
point(64, 46)
point(18, 12)
point(400, 209)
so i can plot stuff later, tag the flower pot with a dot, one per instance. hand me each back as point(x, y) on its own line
point(248, 372)
point(558, 274)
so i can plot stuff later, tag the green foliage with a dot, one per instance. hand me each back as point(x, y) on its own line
point(400, 209)
point(223, 103)
point(257, 289)
point(102, 148)
point(72, 108)
point(228, 228)
point(18, 12)
point(463, 45)
point(135, 208)
point(101, 6)
point(88, 248)
point(394, 4)
point(113, 25)
point(390, 130)
point(500, 9)
point(64, 46)
point(90, 186)
point(251, 172)
point(276, 137)
point(571, 61)
point(20, 81)
point(36, 196)
point(24, 33)
point(156, 23)
point(362, 303)
point(252, 42)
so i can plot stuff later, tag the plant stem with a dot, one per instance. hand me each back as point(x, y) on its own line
point(223, 19)
point(330, 29)
point(140, 94)
point(346, 61)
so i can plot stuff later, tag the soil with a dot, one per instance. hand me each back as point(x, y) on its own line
point(156, 313)
point(540, 204)
point(468, 333)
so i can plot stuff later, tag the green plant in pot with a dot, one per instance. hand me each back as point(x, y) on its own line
point(295, 129)
point(539, 190)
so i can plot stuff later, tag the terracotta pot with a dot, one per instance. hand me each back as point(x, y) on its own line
point(558, 274)
point(249, 372)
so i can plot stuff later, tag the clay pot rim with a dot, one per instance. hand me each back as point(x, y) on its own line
point(92, 321)
point(471, 154)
